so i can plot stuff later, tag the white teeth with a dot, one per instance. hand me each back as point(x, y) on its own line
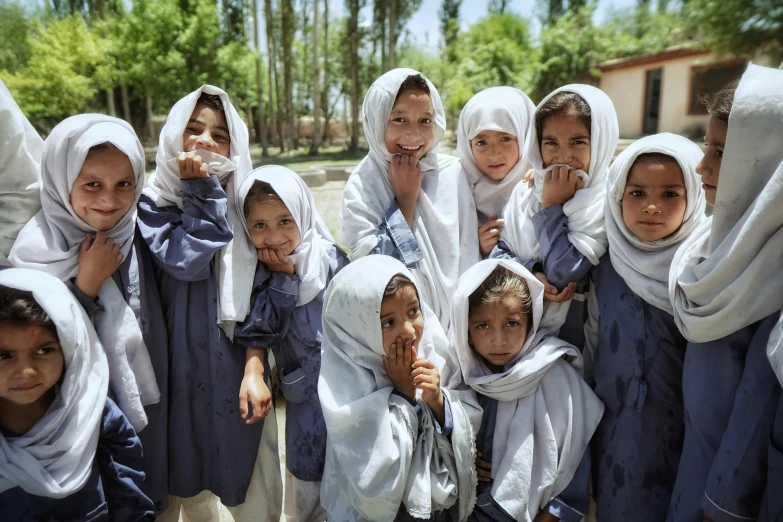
point(406, 147)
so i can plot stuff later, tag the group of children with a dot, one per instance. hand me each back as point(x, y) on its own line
point(523, 331)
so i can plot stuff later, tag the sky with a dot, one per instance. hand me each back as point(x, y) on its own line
point(424, 26)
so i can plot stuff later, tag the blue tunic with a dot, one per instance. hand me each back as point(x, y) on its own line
point(114, 490)
point(570, 505)
point(772, 505)
point(293, 333)
point(730, 395)
point(396, 239)
point(638, 376)
point(137, 281)
point(210, 446)
point(562, 263)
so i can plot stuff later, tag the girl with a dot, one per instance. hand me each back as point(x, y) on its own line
point(298, 258)
point(654, 203)
point(400, 429)
point(68, 452)
point(91, 178)
point(184, 218)
point(20, 169)
point(725, 285)
point(538, 412)
point(406, 200)
point(493, 135)
point(556, 228)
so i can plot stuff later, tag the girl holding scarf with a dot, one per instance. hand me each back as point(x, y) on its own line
point(67, 452)
point(493, 136)
point(406, 200)
point(654, 203)
point(556, 227)
point(186, 217)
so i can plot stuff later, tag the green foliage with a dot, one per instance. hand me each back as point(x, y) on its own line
point(15, 27)
point(641, 31)
point(738, 27)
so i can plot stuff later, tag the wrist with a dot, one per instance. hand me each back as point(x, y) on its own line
point(254, 361)
point(89, 288)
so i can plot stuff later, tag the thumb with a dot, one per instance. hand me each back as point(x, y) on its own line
point(243, 404)
point(86, 244)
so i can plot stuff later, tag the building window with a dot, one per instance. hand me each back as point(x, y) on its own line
point(710, 79)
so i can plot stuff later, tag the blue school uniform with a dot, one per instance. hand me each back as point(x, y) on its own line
point(210, 446)
point(637, 372)
point(114, 490)
point(137, 282)
point(293, 333)
point(396, 239)
point(570, 505)
point(730, 395)
point(562, 263)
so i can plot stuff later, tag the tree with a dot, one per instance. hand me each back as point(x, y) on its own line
point(353, 34)
point(15, 26)
point(449, 27)
point(498, 6)
point(737, 27)
point(287, 11)
point(274, 88)
point(316, 141)
point(261, 121)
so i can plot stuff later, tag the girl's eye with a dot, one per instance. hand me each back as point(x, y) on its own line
point(580, 142)
point(426, 121)
point(399, 120)
point(285, 222)
point(93, 184)
point(388, 323)
point(506, 138)
point(550, 143)
point(482, 326)
point(512, 324)
point(413, 311)
point(194, 130)
point(124, 184)
point(219, 137)
point(636, 193)
point(480, 143)
point(670, 194)
point(46, 350)
point(259, 225)
point(4, 356)
point(719, 153)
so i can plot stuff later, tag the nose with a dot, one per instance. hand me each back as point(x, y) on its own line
point(25, 370)
point(701, 167)
point(412, 130)
point(205, 141)
point(109, 197)
point(408, 331)
point(498, 339)
point(652, 207)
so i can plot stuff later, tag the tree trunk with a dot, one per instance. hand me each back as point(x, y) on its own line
point(110, 108)
point(150, 123)
point(261, 121)
point(392, 33)
point(287, 77)
point(274, 89)
point(125, 104)
point(354, 32)
point(316, 141)
point(326, 137)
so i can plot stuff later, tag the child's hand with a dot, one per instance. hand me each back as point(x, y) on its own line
point(398, 363)
point(483, 468)
point(550, 291)
point(254, 390)
point(276, 261)
point(405, 180)
point(425, 377)
point(560, 185)
point(530, 178)
point(190, 166)
point(99, 258)
point(489, 234)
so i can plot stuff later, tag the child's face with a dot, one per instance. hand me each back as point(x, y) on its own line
point(411, 128)
point(207, 130)
point(565, 139)
point(105, 189)
point(497, 331)
point(654, 200)
point(401, 317)
point(271, 225)
point(495, 152)
point(709, 166)
point(31, 363)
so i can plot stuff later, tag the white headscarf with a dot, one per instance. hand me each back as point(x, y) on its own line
point(378, 454)
point(546, 411)
point(20, 170)
point(51, 241)
point(585, 211)
point(729, 276)
point(236, 259)
point(311, 256)
point(500, 109)
point(54, 459)
point(644, 265)
point(447, 240)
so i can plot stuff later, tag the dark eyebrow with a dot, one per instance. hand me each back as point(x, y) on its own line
point(387, 315)
point(580, 137)
point(194, 120)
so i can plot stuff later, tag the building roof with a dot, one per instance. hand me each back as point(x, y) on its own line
point(672, 53)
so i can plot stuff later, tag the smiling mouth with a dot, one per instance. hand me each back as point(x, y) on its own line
point(499, 355)
point(410, 149)
point(707, 186)
point(25, 388)
point(277, 247)
point(498, 166)
point(105, 212)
